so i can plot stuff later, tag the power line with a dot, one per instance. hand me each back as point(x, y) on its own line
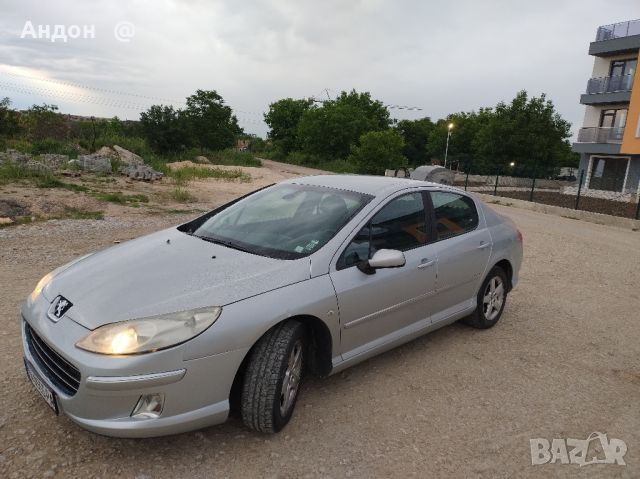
point(117, 103)
point(86, 87)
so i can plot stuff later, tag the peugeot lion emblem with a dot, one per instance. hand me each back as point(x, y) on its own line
point(59, 307)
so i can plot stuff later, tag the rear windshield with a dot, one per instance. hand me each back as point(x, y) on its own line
point(284, 221)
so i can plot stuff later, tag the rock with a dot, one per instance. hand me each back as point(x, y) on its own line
point(5, 221)
point(95, 163)
point(106, 151)
point(37, 168)
point(53, 160)
point(127, 157)
point(14, 156)
point(141, 172)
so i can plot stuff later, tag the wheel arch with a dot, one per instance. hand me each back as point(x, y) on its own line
point(319, 359)
point(505, 265)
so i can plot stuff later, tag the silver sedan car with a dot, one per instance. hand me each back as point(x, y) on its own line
point(172, 331)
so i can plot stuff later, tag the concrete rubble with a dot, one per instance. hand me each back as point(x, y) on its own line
point(102, 161)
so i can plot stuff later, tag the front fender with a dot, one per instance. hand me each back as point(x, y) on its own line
point(241, 324)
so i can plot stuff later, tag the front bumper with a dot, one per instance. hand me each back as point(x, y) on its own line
point(196, 391)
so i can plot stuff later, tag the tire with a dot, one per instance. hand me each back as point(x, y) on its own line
point(272, 378)
point(489, 308)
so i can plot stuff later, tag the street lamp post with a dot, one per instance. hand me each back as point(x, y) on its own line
point(446, 151)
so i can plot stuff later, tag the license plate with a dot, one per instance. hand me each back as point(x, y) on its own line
point(45, 391)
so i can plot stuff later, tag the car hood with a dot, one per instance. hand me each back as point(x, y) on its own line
point(165, 272)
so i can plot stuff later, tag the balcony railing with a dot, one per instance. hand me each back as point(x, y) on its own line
point(600, 135)
point(609, 84)
point(618, 30)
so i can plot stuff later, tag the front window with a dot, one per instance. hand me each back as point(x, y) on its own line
point(285, 221)
point(400, 225)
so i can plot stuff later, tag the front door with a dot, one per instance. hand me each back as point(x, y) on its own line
point(375, 306)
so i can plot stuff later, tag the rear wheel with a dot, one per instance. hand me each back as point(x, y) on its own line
point(273, 376)
point(491, 300)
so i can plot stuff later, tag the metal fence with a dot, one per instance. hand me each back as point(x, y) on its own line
point(595, 194)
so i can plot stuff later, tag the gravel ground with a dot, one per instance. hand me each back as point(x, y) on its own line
point(563, 362)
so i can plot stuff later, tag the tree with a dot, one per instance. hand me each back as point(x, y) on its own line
point(527, 131)
point(44, 122)
point(331, 130)
point(416, 137)
point(463, 134)
point(283, 118)
point(378, 151)
point(212, 124)
point(164, 129)
point(9, 119)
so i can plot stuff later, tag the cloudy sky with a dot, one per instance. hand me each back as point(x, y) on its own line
point(442, 57)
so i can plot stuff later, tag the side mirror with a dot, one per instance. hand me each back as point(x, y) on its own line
point(383, 258)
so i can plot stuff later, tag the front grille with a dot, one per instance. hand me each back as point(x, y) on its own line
point(61, 372)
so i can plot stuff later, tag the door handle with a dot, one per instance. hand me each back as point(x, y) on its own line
point(425, 263)
point(484, 245)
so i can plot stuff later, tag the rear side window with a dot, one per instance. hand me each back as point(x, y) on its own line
point(399, 225)
point(455, 214)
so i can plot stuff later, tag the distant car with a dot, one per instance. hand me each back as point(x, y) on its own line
point(168, 332)
point(566, 178)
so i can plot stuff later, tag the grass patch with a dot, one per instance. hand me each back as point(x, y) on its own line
point(183, 196)
point(184, 175)
point(232, 158)
point(53, 182)
point(76, 214)
point(122, 199)
point(11, 173)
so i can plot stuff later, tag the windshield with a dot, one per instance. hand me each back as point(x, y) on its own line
point(284, 221)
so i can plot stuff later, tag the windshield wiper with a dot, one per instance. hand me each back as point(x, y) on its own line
point(228, 244)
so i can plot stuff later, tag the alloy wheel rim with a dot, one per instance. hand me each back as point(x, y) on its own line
point(291, 381)
point(493, 298)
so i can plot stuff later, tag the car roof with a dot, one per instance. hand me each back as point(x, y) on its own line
point(370, 185)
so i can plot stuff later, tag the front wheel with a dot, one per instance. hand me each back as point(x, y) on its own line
point(273, 376)
point(491, 300)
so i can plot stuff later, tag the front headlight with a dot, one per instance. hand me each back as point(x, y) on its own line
point(149, 334)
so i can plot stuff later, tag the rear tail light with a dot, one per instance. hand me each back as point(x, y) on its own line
point(519, 235)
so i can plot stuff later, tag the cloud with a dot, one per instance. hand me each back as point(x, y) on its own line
point(443, 57)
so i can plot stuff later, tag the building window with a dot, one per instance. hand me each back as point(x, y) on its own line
point(623, 67)
point(613, 118)
point(608, 173)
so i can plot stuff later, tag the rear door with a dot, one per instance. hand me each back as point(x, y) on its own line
point(372, 307)
point(463, 246)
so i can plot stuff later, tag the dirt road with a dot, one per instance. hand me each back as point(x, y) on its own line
point(563, 362)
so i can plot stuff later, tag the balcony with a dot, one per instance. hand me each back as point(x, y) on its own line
point(609, 84)
point(617, 38)
point(608, 90)
point(618, 30)
point(599, 140)
point(600, 135)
